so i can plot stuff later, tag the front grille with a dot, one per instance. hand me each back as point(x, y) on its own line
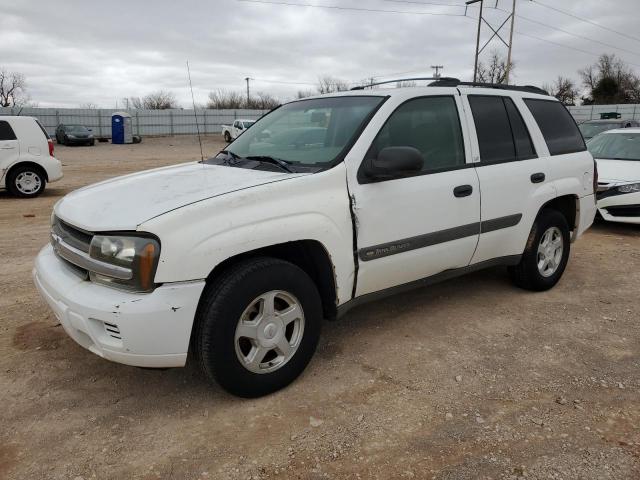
point(112, 330)
point(624, 211)
point(71, 235)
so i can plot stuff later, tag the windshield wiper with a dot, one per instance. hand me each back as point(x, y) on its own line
point(283, 164)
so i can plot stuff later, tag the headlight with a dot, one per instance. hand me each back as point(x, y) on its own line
point(137, 254)
point(629, 188)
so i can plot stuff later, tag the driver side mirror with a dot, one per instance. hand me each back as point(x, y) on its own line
point(393, 162)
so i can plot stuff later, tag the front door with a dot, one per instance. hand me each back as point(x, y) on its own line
point(414, 227)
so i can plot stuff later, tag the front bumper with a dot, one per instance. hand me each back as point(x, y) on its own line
point(624, 208)
point(145, 330)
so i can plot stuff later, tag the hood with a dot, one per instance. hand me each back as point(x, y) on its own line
point(123, 203)
point(611, 171)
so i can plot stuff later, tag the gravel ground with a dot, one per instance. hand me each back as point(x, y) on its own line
point(467, 379)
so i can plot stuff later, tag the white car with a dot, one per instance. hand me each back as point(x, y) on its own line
point(26, 157)
point(238, 259)
point(618, 155)
point(231, 132)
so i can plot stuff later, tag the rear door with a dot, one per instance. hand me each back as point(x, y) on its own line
point(9, 145)
point(414, 227)
point(514, 179)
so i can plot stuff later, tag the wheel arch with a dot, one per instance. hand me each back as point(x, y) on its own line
point(309, 255)
point(23, 163)
point(568, 206)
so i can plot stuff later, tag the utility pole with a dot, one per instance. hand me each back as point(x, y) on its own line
point(496, 33)
point(248, 97)
point(437, 68)
point(513, 17)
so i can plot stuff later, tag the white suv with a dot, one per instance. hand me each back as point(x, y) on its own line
point(323, 204)
point(26, 157)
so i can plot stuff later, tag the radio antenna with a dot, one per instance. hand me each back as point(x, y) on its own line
point(195, 113)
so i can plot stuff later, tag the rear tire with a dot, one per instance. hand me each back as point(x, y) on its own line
point(26, 181)
point(257, 326)
point(546, 254)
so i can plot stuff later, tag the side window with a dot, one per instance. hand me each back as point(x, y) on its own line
point(6, 132)
point(521, 137)
point(558, 127)
point(429, 124)
point(493, 129)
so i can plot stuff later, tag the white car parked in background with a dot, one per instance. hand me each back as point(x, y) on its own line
point(26, 157)
point(323, 204)
point(618, 155)
point(231, 132)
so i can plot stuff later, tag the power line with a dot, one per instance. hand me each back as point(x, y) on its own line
point(336, 7)
point(571, 33)
point(586, 20)
point(282, 82)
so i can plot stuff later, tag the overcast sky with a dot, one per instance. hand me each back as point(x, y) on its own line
point(75, 52)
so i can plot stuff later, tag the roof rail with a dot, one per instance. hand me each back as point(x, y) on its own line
point(446, 82)
point(362, 87)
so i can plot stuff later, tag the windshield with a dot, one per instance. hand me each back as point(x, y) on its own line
point(77, 128)
point(619, 146)
point(247, 124)
point(307, 132)
point(590, 130)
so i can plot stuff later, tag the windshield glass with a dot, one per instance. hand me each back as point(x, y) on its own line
point(620, 146)
point(307, 132)
point(77, 128)
point(247, 124)
point(592, 129)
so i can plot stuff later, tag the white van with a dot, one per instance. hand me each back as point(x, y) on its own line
point(323, 204)
point(26, 157)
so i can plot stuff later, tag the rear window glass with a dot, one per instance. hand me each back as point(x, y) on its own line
point(558, 127)
point(6, 132)
point(493, 129)
point(524, 146)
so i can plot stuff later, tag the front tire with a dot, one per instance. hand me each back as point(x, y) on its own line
point(257, 326)
point(26, 181)
point(227, 137)
point(546, 254)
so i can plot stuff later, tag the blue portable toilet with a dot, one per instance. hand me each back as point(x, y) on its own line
point(121, 130)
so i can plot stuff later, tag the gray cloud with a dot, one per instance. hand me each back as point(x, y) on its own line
point(75, 52)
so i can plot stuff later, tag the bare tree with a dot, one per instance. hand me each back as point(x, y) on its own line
point(495, 70)
point(305, 93)
point(564, 89)
point(159, 100)
point(12, 89)
point(329, 84)
point(225, 99)
point(89, 106)
point(610, 80)
point(262, 101)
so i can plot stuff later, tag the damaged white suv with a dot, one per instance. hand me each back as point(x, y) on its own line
point(324, 203)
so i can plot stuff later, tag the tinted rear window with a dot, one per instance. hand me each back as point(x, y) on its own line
point(6, 132)
point(521, 137)
point(493, 129)
point(557, 125)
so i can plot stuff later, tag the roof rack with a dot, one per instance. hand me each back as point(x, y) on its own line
point(454, 82)
point(362, 87)
point(446, 82)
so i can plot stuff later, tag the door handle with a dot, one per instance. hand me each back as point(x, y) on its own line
point(462, 191)
point(7, 147)
point(537, 177)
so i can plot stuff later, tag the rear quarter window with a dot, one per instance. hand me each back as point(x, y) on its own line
point(558, 127)
point(6, 132)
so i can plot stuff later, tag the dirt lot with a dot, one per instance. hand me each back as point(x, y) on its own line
point(468, 379)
